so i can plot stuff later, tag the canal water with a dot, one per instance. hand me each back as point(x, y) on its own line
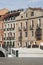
point(21, 61)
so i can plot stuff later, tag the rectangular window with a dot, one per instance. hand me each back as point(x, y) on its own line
point(5, 34)
point(26, 44)
point(0, 16)
point(26, 24)
point(8, 25)
point(10, 34)
point(32, 13)
point(32, 23)
point(14, 35)
point(20, 43)
point(14, 25)
point(11, 25)
point(25, 34)
point(21, 24)
point(13, 43)
point(32, 33)
point(39, 22)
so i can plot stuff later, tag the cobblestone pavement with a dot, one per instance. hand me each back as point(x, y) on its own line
point(21, 61)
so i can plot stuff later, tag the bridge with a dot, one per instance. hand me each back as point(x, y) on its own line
point(3, 52)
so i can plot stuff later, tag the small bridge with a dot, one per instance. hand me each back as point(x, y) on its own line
point(3, 52)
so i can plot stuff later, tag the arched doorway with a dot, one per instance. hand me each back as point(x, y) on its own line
point(2, 54)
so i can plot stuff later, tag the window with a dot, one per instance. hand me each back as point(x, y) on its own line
point(11, 25)
point(10, 43)
point(21, 16)
point(5, 34)
point(8, 25)
point(5, 25)
point(32, 33)
point(13, 43)
point(26, 44)
point(14, 35)
point(20, 33)
point(6, 19)
point(7, 43)
point(25, 27)
point(10, 34)
point(25, 34)
point(21, 24)
point(32, 13)
point(14, 25)
point(26, 24)
point(32, 23)
point(0, 16)
point(13, 17)
point(39, 22)
point(20, 44)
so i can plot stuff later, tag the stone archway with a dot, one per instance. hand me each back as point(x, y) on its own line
point(2, 54)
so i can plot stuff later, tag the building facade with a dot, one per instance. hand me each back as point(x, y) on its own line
point(10, 28)
point(28, 28)
point(2, 13)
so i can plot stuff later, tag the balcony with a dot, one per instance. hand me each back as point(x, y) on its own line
point(31, 28)
point(25, 28)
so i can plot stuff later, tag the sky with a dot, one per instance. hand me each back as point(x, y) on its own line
point(18, 4)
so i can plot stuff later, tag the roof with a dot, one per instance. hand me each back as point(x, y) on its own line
point(3, 11)
point(36, 8)
point(10, 14)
